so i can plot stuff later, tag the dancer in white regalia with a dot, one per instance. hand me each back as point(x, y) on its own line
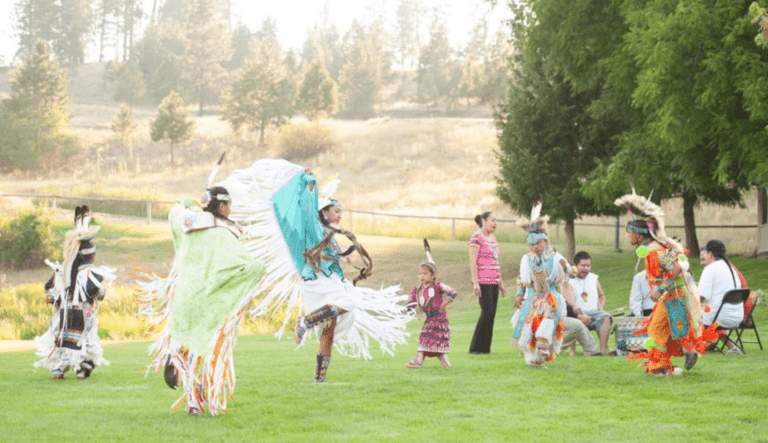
point(291, 230)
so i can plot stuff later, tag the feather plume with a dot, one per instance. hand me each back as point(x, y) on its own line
point(428, 250)
point(538, 202)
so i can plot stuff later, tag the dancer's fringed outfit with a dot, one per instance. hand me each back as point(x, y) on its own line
point(675, 325)
point(75, 290)
point(538, 323)
point(431, 298)
point(282, 229)
point(197, 308)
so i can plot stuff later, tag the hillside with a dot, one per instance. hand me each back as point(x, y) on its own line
point(436, 166)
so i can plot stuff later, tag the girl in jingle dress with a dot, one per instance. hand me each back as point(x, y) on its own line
point(431, 297)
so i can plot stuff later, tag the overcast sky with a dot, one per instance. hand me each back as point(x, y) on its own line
point(294, 17)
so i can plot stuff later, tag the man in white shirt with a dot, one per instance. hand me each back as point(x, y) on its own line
point(718, 277)
point(590, 299)
point(640, 303)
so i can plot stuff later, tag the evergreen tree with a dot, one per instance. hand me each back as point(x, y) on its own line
point(64, 25)
point(159, 56)
point(123, 126)
point(129, 83)
point(437, 76)
point(262, 94)
point(207, 47)
point(365, 70)
point(317, 94)
point(173, 122)
point(34, 122)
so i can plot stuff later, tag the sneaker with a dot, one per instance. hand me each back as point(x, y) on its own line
point(82, 374)
point(193, 410)
point(677, 371)
point(57, 375)
point(735, 350)
point(690, 360)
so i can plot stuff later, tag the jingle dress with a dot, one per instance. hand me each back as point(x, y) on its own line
point(435, 336)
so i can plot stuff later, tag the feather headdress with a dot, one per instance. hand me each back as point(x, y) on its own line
point(326, 194)
point(536, 226)
point(430, 263)
point(640, 208)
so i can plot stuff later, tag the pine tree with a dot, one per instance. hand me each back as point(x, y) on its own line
point(208, 46)
point(34, 121)
point(173, 122)
point(262, 94)
point(317, 94)
point(123, 125)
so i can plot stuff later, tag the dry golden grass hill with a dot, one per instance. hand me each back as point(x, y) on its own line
point(416, 166)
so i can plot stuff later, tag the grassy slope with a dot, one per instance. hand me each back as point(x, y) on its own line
point(486, 398)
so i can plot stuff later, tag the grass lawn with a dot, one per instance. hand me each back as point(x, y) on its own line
point(492, 397)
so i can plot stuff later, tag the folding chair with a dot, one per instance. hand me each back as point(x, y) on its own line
point(747, 323)
point(732, 297)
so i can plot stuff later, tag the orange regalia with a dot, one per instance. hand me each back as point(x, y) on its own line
point(675, 327)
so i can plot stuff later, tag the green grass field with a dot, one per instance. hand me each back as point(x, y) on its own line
point(492, 397)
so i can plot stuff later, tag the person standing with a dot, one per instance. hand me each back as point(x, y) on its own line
point(486, 280)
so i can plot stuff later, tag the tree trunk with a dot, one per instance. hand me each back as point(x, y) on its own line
point(570, 240)
point(762, 205)
point(691, 240)
point(261, 134)
point(172, 165)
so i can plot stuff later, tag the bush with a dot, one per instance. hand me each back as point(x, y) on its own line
point(27, 240)
point(301, 140)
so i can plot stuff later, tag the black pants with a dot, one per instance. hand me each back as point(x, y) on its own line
point(481, 340)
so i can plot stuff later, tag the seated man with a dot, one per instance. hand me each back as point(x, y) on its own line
point(590, 299)
point(640, 303)
point(718, 277)
point(575, 327)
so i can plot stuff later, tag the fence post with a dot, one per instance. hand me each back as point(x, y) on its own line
point(149, 213)
point(616, 236)
point(453, 229)
point(53, 203)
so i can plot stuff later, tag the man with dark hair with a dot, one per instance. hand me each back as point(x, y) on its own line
point(589, 299)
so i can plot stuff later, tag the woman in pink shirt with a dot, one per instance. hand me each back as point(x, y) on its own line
point(486, 280)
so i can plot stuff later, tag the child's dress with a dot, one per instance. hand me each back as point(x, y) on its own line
point(435, 336)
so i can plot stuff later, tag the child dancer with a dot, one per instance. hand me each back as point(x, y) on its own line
point(431, 297)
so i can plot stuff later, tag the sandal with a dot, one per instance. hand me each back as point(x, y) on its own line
point(413, 365)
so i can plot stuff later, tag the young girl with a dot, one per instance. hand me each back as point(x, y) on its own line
point(432, 297)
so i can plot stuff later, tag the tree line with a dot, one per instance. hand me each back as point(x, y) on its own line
point(671, 93)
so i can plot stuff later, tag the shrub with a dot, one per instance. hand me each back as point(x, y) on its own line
point(301, 140)
point(27, 240)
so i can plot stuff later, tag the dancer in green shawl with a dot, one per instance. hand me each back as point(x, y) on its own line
point(212, 282)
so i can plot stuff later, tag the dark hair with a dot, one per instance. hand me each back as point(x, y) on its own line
point(480, 217)
point(716, 248)
point(323, 220)
point(213, 204)
point(642, 228)
point(581, 255)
